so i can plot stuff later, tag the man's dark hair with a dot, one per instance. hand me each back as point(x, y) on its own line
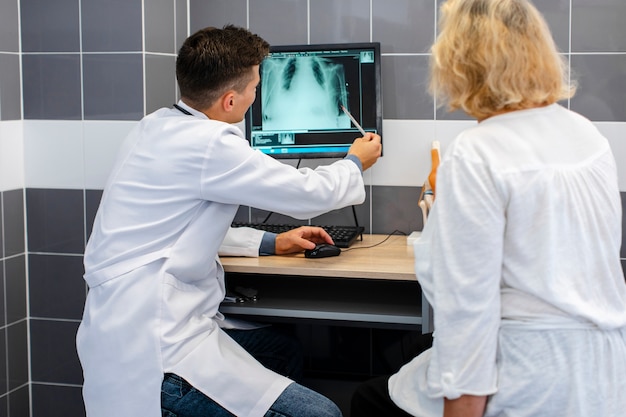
point(212, 61)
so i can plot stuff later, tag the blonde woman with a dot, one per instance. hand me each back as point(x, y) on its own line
point(520, 254)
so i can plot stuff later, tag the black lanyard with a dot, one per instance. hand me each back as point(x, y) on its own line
point(182, 110)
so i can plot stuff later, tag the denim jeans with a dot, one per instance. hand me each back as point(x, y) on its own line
point(180, 399)
point(276, 352)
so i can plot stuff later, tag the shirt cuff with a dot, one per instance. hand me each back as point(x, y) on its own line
point(356, 160)
point(268, 244)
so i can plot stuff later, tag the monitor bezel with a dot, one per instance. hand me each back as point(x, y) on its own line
point(320, 47)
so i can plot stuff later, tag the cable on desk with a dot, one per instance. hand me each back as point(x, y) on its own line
point(395, 232)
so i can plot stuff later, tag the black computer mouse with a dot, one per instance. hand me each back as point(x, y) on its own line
point(322, 250)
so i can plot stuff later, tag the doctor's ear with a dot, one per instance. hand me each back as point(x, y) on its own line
point(228, 101)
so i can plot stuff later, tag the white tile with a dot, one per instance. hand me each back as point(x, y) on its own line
point(406, 159)
point(102, 141)
point(615, 132)
point(11, 155)
point(53, 154)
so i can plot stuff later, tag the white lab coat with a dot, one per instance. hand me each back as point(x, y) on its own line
point(155, 281)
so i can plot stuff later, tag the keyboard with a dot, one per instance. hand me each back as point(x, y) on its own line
point(343, 236)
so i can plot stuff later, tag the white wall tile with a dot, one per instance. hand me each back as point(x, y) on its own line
point(102, 141)
point(53, 154)
point(406, 159)
point(11, 155)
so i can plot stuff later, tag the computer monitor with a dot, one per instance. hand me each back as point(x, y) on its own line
point(297, 112)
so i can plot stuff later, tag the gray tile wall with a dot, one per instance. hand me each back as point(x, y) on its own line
point(10, 97)
point(14, 371)
point(88, 60)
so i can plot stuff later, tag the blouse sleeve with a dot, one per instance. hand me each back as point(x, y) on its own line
point(458, 263)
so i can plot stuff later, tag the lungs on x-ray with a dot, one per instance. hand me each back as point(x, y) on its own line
point(303, 93)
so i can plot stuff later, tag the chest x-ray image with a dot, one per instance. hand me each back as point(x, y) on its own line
point(303, 93)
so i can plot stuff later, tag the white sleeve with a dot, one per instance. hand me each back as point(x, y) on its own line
point(244, 176)
point(458, 263)
point(241, 241)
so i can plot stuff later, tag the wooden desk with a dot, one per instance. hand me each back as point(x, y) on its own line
point(392, 260)
point(366, 285)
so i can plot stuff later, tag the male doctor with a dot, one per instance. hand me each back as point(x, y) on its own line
point(151, 341)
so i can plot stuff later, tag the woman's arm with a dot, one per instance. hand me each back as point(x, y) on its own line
point(464, 406)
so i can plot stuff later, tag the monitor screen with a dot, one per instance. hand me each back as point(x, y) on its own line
point(298, 108)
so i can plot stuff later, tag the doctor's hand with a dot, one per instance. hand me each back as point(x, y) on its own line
point(367, 149)
point(297, 240)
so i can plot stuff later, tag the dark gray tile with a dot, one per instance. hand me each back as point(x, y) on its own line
point(15, 287)
point(403, 26)
point(341, 217)
point(50, 26)
point(13, 208)
point(181, 23)
point(160, 26)
point(3, 363)
point(4, 406)
point(262, 216)
point(19, 402)
point(340, 21)
point(243, 214)
point(55, 220)
point(160, 82)
point(3, 313)
point(346, 216)
point(57, 401)
point(113, 86)
point(10, 92)
point(598, 26)
point(280, 22)
point(92, 202)
point(600, 95)
point(405, 83)
point(556, 13)
point(17, 350)
point(216, 13)
point(9, 26)
point(395, 208)
point(111, 26)
point(52, 278)
point(51, 86)
point(53, 352)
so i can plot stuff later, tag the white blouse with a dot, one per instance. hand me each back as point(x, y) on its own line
point(525, 231)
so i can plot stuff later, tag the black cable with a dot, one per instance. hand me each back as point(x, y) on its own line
point(395, 232)
point(267, 217)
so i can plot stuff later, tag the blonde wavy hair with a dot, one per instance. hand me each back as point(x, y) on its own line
point(493, 56)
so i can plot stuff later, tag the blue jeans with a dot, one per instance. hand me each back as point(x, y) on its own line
point(276, 352)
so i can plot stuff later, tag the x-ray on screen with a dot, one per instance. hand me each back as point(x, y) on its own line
point(297, 111)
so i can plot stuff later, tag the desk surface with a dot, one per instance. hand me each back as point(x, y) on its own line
point(381, 291)
point(390, 260)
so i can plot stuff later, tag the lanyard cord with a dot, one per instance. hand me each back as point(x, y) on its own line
point(182, 110)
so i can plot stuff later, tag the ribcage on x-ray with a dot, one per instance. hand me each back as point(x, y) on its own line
point(303, 93)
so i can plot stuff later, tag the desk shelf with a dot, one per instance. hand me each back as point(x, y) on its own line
point(378, 303)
